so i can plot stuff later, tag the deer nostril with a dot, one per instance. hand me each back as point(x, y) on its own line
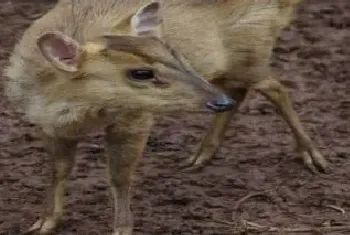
point(221, 103)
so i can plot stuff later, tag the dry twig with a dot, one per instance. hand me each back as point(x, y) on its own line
point(337, 208)
point(254, 227)
point(250, 195)
point(251, 226)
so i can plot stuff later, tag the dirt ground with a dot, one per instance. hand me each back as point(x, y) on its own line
point(257, 156)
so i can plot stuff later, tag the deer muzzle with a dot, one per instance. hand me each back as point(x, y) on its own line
point(221, 103)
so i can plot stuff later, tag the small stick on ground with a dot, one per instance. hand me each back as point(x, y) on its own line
point(245, 198)
point(251, 226)
point(254, 227)
point(336, 208)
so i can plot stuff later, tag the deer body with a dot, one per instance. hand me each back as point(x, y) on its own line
point(113, 63)
point(215, 31)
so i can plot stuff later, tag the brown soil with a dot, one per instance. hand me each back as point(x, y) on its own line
point(257, 155)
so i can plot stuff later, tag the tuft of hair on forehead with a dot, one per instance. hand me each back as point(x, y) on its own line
point(151, 48)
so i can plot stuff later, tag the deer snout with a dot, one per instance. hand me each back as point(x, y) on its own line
point(221, 103)
point(215, 99)
point(218, 101)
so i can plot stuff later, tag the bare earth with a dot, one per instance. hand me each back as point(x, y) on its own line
point(257, 157)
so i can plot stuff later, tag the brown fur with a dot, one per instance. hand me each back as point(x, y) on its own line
point(229, 42)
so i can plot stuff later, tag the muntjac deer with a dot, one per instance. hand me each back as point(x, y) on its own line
point(114, 63)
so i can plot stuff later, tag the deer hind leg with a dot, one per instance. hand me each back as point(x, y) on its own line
point(274, 91)
point(215, 136)
point(62, 152)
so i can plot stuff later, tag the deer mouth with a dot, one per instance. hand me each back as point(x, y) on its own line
point(221, 103)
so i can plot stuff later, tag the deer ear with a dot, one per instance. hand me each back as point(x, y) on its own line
point(62, 51)
point(148, 20)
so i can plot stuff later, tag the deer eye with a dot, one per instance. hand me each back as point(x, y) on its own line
point(141, 74)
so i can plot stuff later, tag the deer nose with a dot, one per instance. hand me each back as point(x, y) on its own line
point(221, 103)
